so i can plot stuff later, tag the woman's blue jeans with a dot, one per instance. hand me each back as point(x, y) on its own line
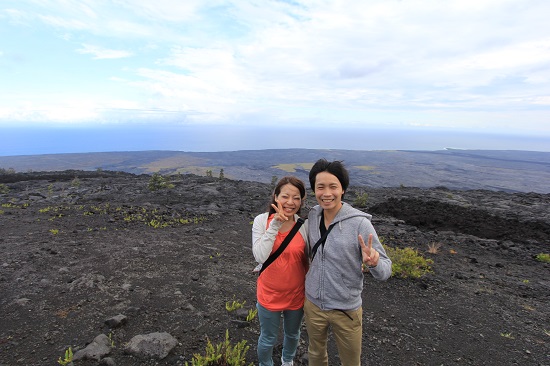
point(269, 331)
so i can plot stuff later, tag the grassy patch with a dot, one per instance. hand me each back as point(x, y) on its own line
point(365, 167)
point(291, 167)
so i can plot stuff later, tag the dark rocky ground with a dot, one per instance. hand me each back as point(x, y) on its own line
point(76, 253)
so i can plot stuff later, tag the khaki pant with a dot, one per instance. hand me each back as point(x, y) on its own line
point(347, 328)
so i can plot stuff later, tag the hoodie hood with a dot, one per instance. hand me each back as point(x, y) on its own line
point(346, 212)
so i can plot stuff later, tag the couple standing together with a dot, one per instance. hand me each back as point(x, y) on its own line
point(319, 273)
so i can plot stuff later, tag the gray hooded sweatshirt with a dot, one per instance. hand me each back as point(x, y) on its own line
point(335, 278)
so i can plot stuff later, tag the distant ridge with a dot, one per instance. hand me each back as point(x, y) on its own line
point(504, 170)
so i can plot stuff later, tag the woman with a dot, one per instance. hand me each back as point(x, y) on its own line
point(334, 282)
point(280, 286)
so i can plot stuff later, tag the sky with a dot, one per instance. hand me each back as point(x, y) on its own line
point(454, 67)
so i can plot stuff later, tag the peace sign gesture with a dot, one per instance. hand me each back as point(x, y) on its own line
point(370, 255)
point(279, 213)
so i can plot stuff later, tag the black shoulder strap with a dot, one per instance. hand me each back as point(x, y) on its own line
point(321, 241)
point(283, 245)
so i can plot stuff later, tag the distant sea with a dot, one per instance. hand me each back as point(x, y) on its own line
point(56, 140)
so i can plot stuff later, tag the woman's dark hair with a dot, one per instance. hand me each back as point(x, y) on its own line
point(335, 168)
point(284, 181)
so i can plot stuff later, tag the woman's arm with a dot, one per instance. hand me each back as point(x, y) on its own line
point(262, 239)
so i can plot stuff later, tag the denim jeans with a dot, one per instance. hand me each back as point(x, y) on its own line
point(269, 331)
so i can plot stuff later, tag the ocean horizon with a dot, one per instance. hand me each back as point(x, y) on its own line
point(39, 141)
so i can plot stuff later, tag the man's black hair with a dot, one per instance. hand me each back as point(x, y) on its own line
point(335, 168)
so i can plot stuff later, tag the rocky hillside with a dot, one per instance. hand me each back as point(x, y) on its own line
point(125, 275)
point(509, 171)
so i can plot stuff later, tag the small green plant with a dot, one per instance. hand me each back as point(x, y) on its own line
point(68, 357)
point(158, 182)
point(4, 189)
point(252, 313)
point(1, 212)
point(234, 305)
point(408, 263)
point(507, 335)
point(111, 340)
point(361, 199)
point(209, 173)
point(222, 176)
point(543, 257)
point(547, 332)
point(54, 231)
point(525, 281)
point(222, 354)
point(75, 182)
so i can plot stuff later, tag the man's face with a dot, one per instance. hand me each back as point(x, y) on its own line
point(328, 191)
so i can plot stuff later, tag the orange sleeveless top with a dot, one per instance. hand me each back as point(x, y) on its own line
point(282, 285)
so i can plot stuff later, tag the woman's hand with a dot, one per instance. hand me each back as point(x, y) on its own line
point(279, 213)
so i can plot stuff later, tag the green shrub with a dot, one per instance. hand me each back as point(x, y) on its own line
point(543, 257)
point(4, 188)
point(222, 354)
point(361, 199)
point(75, 182)
point(157, 182)
point(408, 263)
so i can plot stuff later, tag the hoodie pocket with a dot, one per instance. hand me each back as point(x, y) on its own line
point(313, 282)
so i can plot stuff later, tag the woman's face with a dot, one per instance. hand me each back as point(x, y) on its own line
point(328, 191)
point(289, 199)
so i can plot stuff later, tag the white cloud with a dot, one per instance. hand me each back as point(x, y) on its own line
point(381, 60)
point(102, 53)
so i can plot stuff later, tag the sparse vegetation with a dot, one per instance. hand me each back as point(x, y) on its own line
point(68, 357)
point(136, 245)
point(507, 335)
point(252, 313)
point(4, 189)
point(222, 354)
point(543, 257)
point(291, 167)
point(408, 263)
point(433, 248)
point(75, 182)
point(158, 182)
point(234, 305)
point(361, 199)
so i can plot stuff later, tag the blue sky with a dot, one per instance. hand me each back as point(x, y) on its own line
point(456, 65)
